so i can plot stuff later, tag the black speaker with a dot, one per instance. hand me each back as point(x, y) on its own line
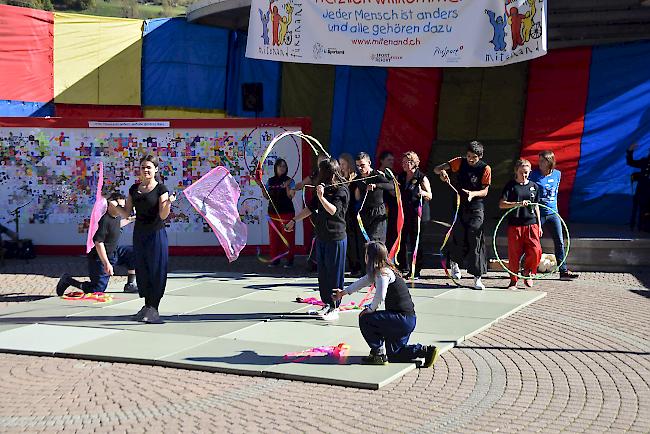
point(253, 97)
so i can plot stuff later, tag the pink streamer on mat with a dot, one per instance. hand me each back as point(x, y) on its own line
point(316, 302)
point(99, 209)
point(339, 352)
point(215, 197)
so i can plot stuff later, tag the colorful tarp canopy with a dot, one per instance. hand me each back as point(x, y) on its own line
point(184, 65)
point(97, 59)
point(26, 50)
point(617, 115)
point(243, 70)
point(359, 101)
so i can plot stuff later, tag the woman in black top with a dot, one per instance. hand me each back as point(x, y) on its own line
point(414, 185)
point(354, 255)
point(152, 203)
point(386, 161)
point(393, 326)
point(279, 191)
point(328, 210)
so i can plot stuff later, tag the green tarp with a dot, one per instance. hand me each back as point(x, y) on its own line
point(308, 91)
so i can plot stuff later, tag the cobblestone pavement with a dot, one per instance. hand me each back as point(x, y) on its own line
point(576, 361)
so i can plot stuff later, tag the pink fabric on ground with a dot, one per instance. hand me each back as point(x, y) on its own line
point(99, 209)
point(215, 196)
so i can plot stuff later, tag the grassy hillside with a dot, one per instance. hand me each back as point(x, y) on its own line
point(115, 8)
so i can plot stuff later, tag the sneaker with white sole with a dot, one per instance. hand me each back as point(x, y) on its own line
point(455, 270)
point(331, 315)
point(477, 283)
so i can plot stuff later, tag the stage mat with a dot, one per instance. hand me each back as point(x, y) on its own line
point(244, 324)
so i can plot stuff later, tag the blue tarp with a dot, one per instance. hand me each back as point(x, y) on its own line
point(617, 114)
point(26, 109)
point(184, 65)
point(244, 70)
point(359, 102)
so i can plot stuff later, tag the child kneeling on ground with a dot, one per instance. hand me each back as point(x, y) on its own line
point(393, 326)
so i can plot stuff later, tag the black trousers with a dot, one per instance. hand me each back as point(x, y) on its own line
point(391, 227)
point(467, 244)
point(151, 258)
point(407, 244)
point(374, 222)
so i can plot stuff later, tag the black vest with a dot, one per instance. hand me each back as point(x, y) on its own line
point(410, 190)
point(278, 195)
point(471, 178)
point(398, 298)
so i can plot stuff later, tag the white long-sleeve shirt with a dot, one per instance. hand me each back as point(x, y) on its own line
point(382, 279)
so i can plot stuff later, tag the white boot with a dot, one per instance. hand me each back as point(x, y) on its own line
point(477, 283)
point(455, 270)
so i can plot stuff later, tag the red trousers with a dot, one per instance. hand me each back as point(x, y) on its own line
point(276, 245)
point(524, 240)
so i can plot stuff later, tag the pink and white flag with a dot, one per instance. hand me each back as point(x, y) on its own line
point(215, 196)
point(99, 209)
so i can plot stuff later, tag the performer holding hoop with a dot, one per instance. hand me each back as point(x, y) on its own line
point(524, 231)
point(328, 210)
point(548, 178)
point(414, 187)
point(474, 177)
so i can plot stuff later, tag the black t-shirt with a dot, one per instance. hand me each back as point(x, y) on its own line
point(398, 298)
point(147, 214)
point(330, 227)
point(410, 190)
point(108, 232)
point(471, 178)
point(278, 195)
point(516, 192)
point(375, 197)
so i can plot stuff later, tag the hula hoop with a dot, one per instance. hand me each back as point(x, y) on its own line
point(540, 275)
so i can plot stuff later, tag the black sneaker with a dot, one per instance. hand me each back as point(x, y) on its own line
point(131, 287)
point(431, 353)
point(375, 359)
point(64, 283)
point(151, 316)
point(568, 275)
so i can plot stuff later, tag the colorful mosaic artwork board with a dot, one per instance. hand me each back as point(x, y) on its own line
point(53, 172)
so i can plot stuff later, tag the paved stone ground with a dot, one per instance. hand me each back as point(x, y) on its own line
point(576, 361)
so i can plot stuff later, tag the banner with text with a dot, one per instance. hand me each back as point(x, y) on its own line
point(418, 33)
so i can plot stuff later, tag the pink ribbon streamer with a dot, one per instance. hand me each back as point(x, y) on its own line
point(316, 302)
point(339, 352)
point(215, 197)
point(99, 209)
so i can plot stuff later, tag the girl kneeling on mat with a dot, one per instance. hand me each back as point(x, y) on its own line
point(394, 325)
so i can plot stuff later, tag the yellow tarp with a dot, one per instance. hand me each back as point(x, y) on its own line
point(97, 59)
point(181, 113)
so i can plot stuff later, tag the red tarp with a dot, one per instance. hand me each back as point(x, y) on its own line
point(411, 114)
point(97, 111)
point(557, 97)
point(26, 54)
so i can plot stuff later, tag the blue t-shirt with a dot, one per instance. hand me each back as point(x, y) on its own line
point(550, 185)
